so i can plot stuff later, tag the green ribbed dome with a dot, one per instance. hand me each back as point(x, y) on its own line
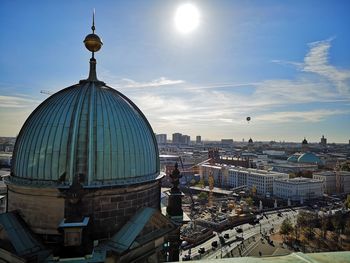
point(87, 130)
point(309, 158)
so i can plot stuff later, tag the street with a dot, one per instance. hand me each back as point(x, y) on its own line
point(273, 221)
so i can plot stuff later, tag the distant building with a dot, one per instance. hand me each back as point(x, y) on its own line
point(306, 158)
point(226, 176)
point(323, 141)
point(304, 145)
point(177, 138)
point(198, 139)
point(5, 159)
point(274, 153)
point(329, 181)
point(227, 141)
point(297, 189)
point(290, 167)
point(186, 139)
point(161, 138)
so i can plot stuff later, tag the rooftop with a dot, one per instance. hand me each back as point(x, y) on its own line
point(298, 180)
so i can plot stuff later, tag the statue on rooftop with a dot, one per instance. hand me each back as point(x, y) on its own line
point(175, 179)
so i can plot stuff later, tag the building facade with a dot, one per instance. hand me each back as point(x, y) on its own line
point(161, 138)
point(297, 189)
point(329, 181)
point(232, 177)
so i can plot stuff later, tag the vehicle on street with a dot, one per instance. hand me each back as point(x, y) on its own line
point(227, 236)
point(214, 243)
point(186, 258)
point(239, 230)
point(201, 250)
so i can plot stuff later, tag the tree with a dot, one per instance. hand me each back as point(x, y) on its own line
point(347, 202)
point(203, 196)
point(286, 228)
point(249, 201)
point(347, 227)
point(309, 232)
point(339, 222)
point(345, 166)
point(200, 183)
point(292, 175)
point(324, 227)
point(302, 219)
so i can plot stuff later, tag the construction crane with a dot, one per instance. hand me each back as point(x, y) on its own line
point(338, 178)
point(213, 154)
point(187, 184)
point(194, 169)
point(47, 92)
point(211, 183)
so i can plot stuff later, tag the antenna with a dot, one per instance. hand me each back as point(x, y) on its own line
point(93, 22)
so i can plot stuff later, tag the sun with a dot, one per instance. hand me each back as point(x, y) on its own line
point(186, 18)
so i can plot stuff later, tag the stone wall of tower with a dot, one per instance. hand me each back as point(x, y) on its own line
point(41, 208)
point(109, 209)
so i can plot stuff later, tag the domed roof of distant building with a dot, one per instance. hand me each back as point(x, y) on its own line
point(90, 131)
point(309, 158)
point(250, 140)
point(293, 158)
point(304, 141)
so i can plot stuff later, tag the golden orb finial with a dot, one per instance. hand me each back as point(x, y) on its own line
point(92, 41)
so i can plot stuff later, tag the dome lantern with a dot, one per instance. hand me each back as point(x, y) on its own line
point(93, 43)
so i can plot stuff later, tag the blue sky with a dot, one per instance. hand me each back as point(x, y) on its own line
point(284, 63)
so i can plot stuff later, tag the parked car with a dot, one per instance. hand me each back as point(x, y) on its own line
point(227, 236)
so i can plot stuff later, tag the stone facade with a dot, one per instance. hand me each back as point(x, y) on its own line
point(111, 208)
point(41, 208)
point(108, 208)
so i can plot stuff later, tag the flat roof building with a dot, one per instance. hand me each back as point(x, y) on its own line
point(297, 189)
point(329, 181)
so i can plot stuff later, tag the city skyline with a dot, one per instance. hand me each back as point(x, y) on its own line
point(285, 65)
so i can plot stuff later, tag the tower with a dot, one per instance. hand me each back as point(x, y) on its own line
point(323, 141)
point(175, 213)
point(85, 169)
point(304, 146)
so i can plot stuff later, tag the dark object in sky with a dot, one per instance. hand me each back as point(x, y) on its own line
point(248, 119)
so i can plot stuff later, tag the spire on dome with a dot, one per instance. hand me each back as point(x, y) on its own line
point(93, 43)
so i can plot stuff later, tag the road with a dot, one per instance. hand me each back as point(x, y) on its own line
point(273, 221)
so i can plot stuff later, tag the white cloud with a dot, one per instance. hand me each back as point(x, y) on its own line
point(162, 81)
point(317, 61)
point(220, 107)
point(17, 102)
point(312, 116)
point(127, 83)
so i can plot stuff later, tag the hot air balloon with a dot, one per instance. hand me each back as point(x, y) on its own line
point(248, 119)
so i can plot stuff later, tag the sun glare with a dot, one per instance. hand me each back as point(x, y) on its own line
point(186, 18)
